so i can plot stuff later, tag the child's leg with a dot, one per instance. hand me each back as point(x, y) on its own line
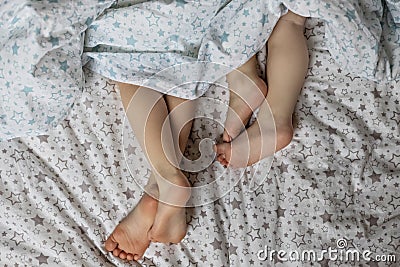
point(169, 225)
point(247, 92)
point(147, 113)
point(287, 65)
point(129, 239)
point(181, 117)
point(148, 116)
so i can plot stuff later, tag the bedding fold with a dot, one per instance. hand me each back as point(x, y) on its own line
point(40, 62)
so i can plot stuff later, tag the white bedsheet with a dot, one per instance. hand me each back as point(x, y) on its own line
point(63, 193)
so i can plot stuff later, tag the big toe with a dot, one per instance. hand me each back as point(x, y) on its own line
point(110, 243)
point(223, 153)
point(116, 252)
point(221, 148)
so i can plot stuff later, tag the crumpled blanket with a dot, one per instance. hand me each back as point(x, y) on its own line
point(41, 43)
point(44, 45)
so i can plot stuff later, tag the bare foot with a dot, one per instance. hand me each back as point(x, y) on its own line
point(170, 221)
point(247, 92)
point(260, 140)
point(129, 239)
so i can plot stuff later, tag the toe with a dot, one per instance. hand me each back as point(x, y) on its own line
point(226, 137)
point(116, 252)
point(130, 257)
point(122, 255)
point(224, 152)
point(221, 159)
point(136, 257)
point(110, 243)
point(221, 148)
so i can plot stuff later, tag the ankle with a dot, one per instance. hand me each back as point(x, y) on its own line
point(152, 190)
point(283, 131)
point(174, 188)
point(169, 176)
point(283, 138)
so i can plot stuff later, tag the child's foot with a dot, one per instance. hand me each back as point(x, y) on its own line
point(170, 221)
point(262, 140)
point(246, 94)
point(129, 239)
point(170, 224)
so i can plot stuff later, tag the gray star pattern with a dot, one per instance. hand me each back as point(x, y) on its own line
point(63, 193)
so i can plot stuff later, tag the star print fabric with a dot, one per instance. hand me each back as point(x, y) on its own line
point(132, 40)
point(40, 62)
point(63, 193)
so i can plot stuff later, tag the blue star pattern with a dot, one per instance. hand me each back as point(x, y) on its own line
point(40, 55)
point(132, 41)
